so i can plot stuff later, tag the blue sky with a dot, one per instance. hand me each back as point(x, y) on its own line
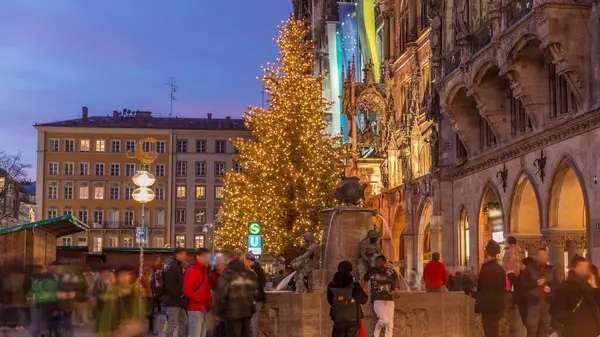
point(57, 56)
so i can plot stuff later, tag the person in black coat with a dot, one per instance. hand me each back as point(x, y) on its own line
point(574, 305)
point(518, 293)
point(261, 297)
point(490, 297)
point(341, 280)
point(173, 300)
point(234, 298)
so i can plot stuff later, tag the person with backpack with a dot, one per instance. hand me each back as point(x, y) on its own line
point(235, 297)
point(173, 299)
point(261, 297)
point(345, 296)
point(42, 295)
point(196, 287)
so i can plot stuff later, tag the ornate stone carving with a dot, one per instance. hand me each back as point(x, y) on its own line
point(370, 247)
point(411, 322)
point(460, 17)
point(349, 191)
point(435, 17)
point(306, 263)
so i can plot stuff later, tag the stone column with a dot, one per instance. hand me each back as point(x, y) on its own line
point(556, 244)
point(343, 228)
point(409, 240)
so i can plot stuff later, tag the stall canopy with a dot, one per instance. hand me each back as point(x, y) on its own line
point(59, 226)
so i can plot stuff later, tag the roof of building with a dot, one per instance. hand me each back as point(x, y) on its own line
point(149, 122)
point(59, 226)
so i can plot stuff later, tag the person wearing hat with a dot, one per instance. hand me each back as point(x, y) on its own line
point(435, 275)
point(490, 295)
point(345, 296)
point(261, 297)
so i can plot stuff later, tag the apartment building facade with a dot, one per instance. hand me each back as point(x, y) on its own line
point(83, 169)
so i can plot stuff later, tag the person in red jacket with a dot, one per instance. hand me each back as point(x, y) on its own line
point(435, 275)
point(196, 287)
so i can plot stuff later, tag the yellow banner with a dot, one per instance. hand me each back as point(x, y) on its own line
point(369, 19)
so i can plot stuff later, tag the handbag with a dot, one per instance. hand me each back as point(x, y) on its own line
point(361, 331)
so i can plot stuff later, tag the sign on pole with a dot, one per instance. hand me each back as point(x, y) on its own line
point(141, 235)
point(254, 238)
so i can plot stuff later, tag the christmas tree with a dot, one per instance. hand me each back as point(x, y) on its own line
point(291, 167)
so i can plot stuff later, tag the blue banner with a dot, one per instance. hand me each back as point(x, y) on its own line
point(349, 33)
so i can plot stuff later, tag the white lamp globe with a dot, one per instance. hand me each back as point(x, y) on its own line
point(143, 179)
point(143, 195)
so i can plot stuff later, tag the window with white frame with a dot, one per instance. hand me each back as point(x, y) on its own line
point(198, 241)
point(182, 146)
point(159, 192)
point(219, 146)
point(84, 145)
point(147, 146)
point(128, 192)
point(147, 217)
point(84, 192)
point(130, 146)
point(53, 168)
point(113, 217)
point(51, 212)
point(83, 215)
point(160, 146)
point(99, 169)
point(180, 215)
point(69, 145)
point(113, 241)
point(115, 170)
point(181, 193)
point(145, 167)
point(159, 242)
point(84, 169)
point(69, 169)
point(130, 170)
point(200, 216)
point(82, 242)
point(114, 192)
point(180, 241)
point(98, 217)
point(201, 145)
point(97, 244)
point(128, 242)
point(53, 191)
point(181, 168)
point(67, 241)
point(200, 169)
point(160, 170)
point(68, 211)
point(219, 192)
point(99, 192)
point(160, 218)
point(115, 146)
point(219, 168)
point(54, 145)
point(68, 191)
point(100, 145)
point(238, 168)
point(130, 217)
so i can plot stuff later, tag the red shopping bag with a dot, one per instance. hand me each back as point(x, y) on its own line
point(362, 329)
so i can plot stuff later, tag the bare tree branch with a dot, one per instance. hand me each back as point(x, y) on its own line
point(13, 174)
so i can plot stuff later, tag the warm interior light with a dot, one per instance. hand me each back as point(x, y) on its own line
point(494, 213)
point(143, 195)
point(143, 179)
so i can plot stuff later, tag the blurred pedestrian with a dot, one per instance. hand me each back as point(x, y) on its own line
point(345, 296)
point(538, 282)
point(261, 295)
point(147, 297)
point(490, 296)
point(220, 265)
point(234, 298)
point(384, 280)
point(42, 294)
point(105, 280)
point(174, 300)
point(435, 275)
point(196, 287)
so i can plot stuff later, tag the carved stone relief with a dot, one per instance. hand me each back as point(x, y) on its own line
point(411, 322)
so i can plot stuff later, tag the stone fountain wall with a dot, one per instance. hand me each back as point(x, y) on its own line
point(417, 315)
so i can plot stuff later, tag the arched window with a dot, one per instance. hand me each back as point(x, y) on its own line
point(463, 238)
point(427, 244)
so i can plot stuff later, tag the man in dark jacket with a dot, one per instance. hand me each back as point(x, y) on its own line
point(574, 305)
point(490, 296)
point(518, 296)
point(345, 296)
point(234, 299)
point(174, 300)
point(538, 280)
point(261, 297)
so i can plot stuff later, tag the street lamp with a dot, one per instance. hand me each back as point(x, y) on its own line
point(143, 194)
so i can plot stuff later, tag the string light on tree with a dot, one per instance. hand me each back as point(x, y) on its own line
point(292, 165)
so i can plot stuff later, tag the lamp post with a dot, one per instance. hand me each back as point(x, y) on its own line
point(143, 194)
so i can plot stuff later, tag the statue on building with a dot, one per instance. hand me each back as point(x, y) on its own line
point(385, 173)
point(434, 143)
point(435, 19)
point(306, 263)
point(370, 248)
point(461, 20)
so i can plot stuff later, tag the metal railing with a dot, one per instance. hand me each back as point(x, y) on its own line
point(451, 62)
point(481, 38)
